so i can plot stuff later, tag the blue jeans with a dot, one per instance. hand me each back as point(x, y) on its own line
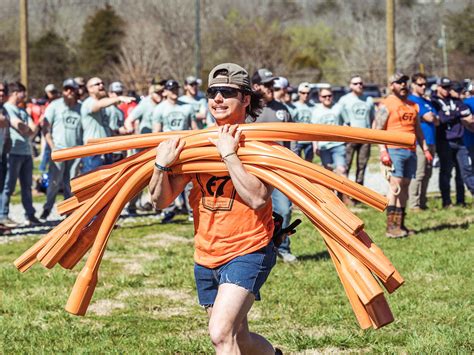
point(403, 162)
point(249, 271)
point(334, 157)
point(19, 166)
point(450, 153)
point(3, 170)
point(59, 176)
point(45, 159)
point(282, 205)
point(94, 161)
point(306, 148)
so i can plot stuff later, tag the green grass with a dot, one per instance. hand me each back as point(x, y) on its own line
point(145, 301)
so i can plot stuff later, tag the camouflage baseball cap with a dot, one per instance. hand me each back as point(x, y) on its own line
point(229, 73)
point(398, 77)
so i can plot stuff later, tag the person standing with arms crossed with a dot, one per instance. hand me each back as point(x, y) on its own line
point(232, 260)
point(357, 111)
point(429, 121)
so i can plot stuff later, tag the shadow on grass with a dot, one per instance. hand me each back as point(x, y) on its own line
point(323, 255)
point(43, 228)
point(443, 226)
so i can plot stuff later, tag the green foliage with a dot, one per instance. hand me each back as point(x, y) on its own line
point(312, 47)
point(100, 41)
point(461, 30)
point(260, 42)
point(50, 62)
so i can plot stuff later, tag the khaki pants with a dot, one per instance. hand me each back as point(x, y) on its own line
point(419, 185)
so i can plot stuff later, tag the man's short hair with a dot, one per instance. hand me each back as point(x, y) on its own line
point(416, 76)
point(353, 76)
point(16, 86)
point(327, 89)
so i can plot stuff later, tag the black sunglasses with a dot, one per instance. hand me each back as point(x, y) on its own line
point(358, 83)
point(225, 91)
point(420, 85)
point(325, 96)
point(98, 84)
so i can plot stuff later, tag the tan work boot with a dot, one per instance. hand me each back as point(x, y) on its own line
point(393, 225)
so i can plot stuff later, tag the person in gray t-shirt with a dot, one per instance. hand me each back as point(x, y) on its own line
point(191, 96)
point(174, 115)
point(20, 160)
point(62, 128)
point(95, 121)
point(358, 111)
point(303, 111)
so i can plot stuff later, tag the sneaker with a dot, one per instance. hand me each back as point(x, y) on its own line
point(132, 211)
point(147, 207)
point(32, 221)
point(7, 222)
point(287, 257)
point(168, 217)
point(44, 215)
point(190, 218)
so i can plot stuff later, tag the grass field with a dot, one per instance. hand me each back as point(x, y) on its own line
point(145, 300)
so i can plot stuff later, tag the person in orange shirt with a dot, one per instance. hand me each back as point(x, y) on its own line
point(398, 114)
point(232, 259)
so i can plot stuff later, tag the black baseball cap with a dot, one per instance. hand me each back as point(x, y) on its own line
point(171, 85)
point(445, 82)
point(263, 76)
point(70, 83)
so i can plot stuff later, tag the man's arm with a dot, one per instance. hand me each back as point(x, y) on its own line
point(251, 189)
point(108, 101)
point(4, 122)
point(380, 122)
point(164, 189)
point(430, 117)
point(46, 129)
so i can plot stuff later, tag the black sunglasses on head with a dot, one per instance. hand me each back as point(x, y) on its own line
point(225, 91)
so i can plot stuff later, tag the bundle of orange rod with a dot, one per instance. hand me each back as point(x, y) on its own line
point(100, 196)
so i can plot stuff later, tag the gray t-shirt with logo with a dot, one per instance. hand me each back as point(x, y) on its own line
point(358, 111)
point(143, 112)
point(94, 124)
point(174, 117)
point(198, 104)
point(65, 122)
point(275, 111)
point(21, 145)
point(330, 116)
point(302, 113)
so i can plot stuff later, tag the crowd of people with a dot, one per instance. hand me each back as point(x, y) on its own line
point(83, 110)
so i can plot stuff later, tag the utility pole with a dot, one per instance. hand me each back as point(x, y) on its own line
point(445, 51)
point(391, 55)
point(197, 34)
point(24, 42)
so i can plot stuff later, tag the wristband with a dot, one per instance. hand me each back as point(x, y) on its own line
point(228, 155)
point(162, 168)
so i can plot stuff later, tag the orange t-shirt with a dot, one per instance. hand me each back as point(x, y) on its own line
point(402, 116)
point(225, 227)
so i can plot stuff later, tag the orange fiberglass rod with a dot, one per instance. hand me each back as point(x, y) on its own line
point(97, 203)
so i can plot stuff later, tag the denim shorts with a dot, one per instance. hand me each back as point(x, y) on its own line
point(403, 162)
point(333, 157)
point(249, 271)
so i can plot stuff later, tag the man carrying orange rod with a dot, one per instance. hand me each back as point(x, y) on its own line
point(398, 114)
point(232, 259)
